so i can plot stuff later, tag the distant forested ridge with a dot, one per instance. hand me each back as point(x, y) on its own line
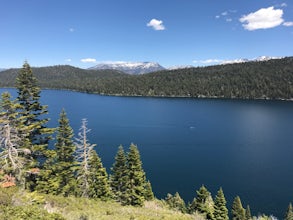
point(270, 79)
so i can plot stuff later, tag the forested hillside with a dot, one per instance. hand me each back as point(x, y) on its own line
point(269, 79)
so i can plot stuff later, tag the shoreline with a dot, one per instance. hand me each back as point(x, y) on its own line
point(199, 97)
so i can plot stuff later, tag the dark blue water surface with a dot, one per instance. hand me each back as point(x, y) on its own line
point(246, 147)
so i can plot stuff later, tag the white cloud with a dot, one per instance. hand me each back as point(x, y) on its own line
point(88, 60)
point(264, 18)
point(225, 13)
point(68, 60)
point(229, 19)
point(288, 23)
point(71, 29)
point(283, 5)
point(217, 16)
point(156, 24)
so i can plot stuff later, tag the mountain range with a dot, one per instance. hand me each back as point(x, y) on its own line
point(133, 68)
point(271, 79)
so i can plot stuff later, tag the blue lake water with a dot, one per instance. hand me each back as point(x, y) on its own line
point(245, 147)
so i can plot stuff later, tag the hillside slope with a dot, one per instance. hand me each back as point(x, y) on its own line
point(19, 204)
point(272, 79)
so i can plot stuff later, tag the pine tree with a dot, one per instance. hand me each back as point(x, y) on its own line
point(83, 154)
point(14, 145)
point(176, 202)
point(98, 178)
point(119, 176)
point(136, 178)
point(289, 213)
point(248, 213)
point(220, 210)
point(238, 212)
point(149, 195)
point(58, 177)
point(33, 112)
point(203, 203)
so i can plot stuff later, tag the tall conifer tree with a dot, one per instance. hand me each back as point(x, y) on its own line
point(149, 194)
point(248, 213)
point(99, 186)
point(33, 112)
point(136, 178)
point(289, 213)
point(14, 144)
point(58, 174)
point(119, 176)
point(203, 203)
point(220, 211)
point(238, 212)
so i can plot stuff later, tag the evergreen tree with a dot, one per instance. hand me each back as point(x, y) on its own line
point(238, 212)
point(220, 210)
point(14, 145)
point(136, 178)
point(203, 203)
point(176, 202)
point(149, 195)
point(248, 213)
point(83, 154)
point(58, 176)
point(33, 112)
point(119, 176)
point(289, 213)
point(98, 178)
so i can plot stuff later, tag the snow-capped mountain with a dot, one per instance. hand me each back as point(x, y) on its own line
point(258, 59)
point(266, 58)
point(180, 67)
point(130, 67)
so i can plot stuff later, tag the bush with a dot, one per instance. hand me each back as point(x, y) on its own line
point(6, 195)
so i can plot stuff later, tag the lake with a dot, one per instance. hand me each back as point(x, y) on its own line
point(245, 147)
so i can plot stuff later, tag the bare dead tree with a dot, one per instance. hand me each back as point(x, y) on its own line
point(83, 150)
point(13, 155)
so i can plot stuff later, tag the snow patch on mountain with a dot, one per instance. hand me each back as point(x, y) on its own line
point(258, 59)
point(180, 67)
point(130, 67)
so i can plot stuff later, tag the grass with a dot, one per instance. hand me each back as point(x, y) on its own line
point(16, 203)
point(88, 209)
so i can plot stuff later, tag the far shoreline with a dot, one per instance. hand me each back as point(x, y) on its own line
point(199, 97)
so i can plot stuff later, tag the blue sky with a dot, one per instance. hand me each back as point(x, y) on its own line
point(83, 33)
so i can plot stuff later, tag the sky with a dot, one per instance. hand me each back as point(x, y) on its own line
point(83, 33)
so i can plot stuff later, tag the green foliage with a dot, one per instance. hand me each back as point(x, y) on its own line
point(270, 79)
point(99, 186)
point(14, 144)
point(128, 181)
point(237, 211)
point(176, 202)
point(58, 174)
point(27, 213)
point(289, 213)
point(6, 195)
point(248, 213)
point(136, 178)
point(149, 195)
point(31, 108)
point(203, 203)
point(220, 209)
point(119, 176)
